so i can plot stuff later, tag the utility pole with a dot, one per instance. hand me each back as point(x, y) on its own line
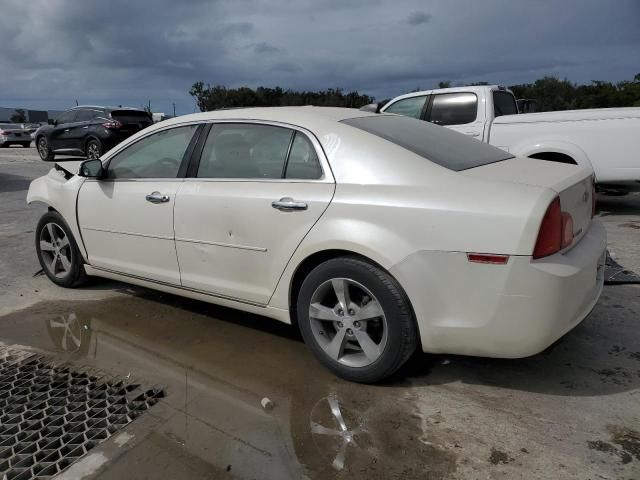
point(77, 102)
point(174, 109)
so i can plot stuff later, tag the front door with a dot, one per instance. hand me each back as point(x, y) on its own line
point(257, 191)
point(59, 136)
point(126, 219)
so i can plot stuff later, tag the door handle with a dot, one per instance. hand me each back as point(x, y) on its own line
point(66, 129)
point(86, 126)
point(288, 204)
point(157, 197)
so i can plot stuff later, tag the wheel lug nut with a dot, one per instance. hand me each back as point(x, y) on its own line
point(340, 325)
point(356, 324)
point(349, 331)
point(340, 312)
point(352, 311)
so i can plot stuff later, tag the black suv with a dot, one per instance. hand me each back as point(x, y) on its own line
point(89, 131)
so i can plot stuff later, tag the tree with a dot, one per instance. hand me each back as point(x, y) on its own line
point(215, 97)
point(19, 116)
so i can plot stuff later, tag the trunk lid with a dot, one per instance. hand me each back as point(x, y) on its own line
point(572, 183)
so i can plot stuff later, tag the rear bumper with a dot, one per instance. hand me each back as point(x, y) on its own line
point(509, 311)
point(15, 139)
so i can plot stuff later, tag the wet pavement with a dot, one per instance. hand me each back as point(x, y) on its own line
point(217, 365)
point(243, 397)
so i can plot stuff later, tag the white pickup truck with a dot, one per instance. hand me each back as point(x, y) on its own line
point(606, 139)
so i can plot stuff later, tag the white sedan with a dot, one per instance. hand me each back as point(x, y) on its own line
point(374, 234)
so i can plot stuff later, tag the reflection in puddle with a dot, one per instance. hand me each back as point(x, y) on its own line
point(67, 332)
point(345, 436)
point(216, 366)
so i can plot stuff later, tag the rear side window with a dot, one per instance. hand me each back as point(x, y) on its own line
point(454, 108)
point(237, 150)
point(303, 161)
point(84, 115)
point(504, 104)
point(67, 117)
point(409, 107)
point(442, 146)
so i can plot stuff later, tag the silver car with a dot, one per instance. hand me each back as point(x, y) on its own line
point(14, 133)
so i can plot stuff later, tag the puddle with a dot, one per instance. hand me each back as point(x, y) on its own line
point(216, 366)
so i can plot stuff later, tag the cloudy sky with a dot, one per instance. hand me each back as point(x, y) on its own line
point(53, 52)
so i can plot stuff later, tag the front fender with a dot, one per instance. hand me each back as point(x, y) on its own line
point(531, 147)
point(55, 191)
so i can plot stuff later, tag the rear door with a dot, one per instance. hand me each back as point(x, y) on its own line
point(78, 130)
point(252, 197)
point(458, 111)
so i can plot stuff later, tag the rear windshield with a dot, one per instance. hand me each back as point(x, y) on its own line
point(440, 145)
point(133, 116)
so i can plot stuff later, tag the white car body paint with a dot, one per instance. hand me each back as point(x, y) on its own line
point(412, 217)
point(605, 139)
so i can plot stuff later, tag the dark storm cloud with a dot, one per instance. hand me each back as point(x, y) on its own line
point(418, 18)
point(53, 52)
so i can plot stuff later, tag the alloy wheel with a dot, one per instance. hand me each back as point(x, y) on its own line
point(43, 149)
point(93, 152)
point(348, 322)
point(55, 250)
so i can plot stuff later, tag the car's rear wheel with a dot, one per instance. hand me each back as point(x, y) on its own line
point(44, 151)
point(25, 144)
point(356, 319)
point(58, 251)
point(93, 149)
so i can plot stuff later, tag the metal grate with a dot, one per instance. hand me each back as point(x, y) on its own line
point(52, 415)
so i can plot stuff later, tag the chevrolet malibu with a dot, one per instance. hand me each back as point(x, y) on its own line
point(373, 234)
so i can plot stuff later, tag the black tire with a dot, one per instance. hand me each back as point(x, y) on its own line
point(25, 144)
point(4, 145)
point(75, 274)
point(402, 337)
point(93, 149)
point(46, 154)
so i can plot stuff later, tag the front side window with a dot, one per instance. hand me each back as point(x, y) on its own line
point(504, 104)
point(156, 156)
point(242, 150)
point(409, 107)
point(454, 108)
point(67, 117)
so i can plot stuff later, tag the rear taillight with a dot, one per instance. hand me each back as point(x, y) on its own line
point(556, 231)
point(112, 125)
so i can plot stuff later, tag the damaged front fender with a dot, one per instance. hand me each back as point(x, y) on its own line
point(59, 191)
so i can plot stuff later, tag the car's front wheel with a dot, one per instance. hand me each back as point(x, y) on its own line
point(356, 319)
point(58, 251)
point(44, 151)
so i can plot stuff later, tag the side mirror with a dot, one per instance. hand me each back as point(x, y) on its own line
point(372, 107)
point(91, 169)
